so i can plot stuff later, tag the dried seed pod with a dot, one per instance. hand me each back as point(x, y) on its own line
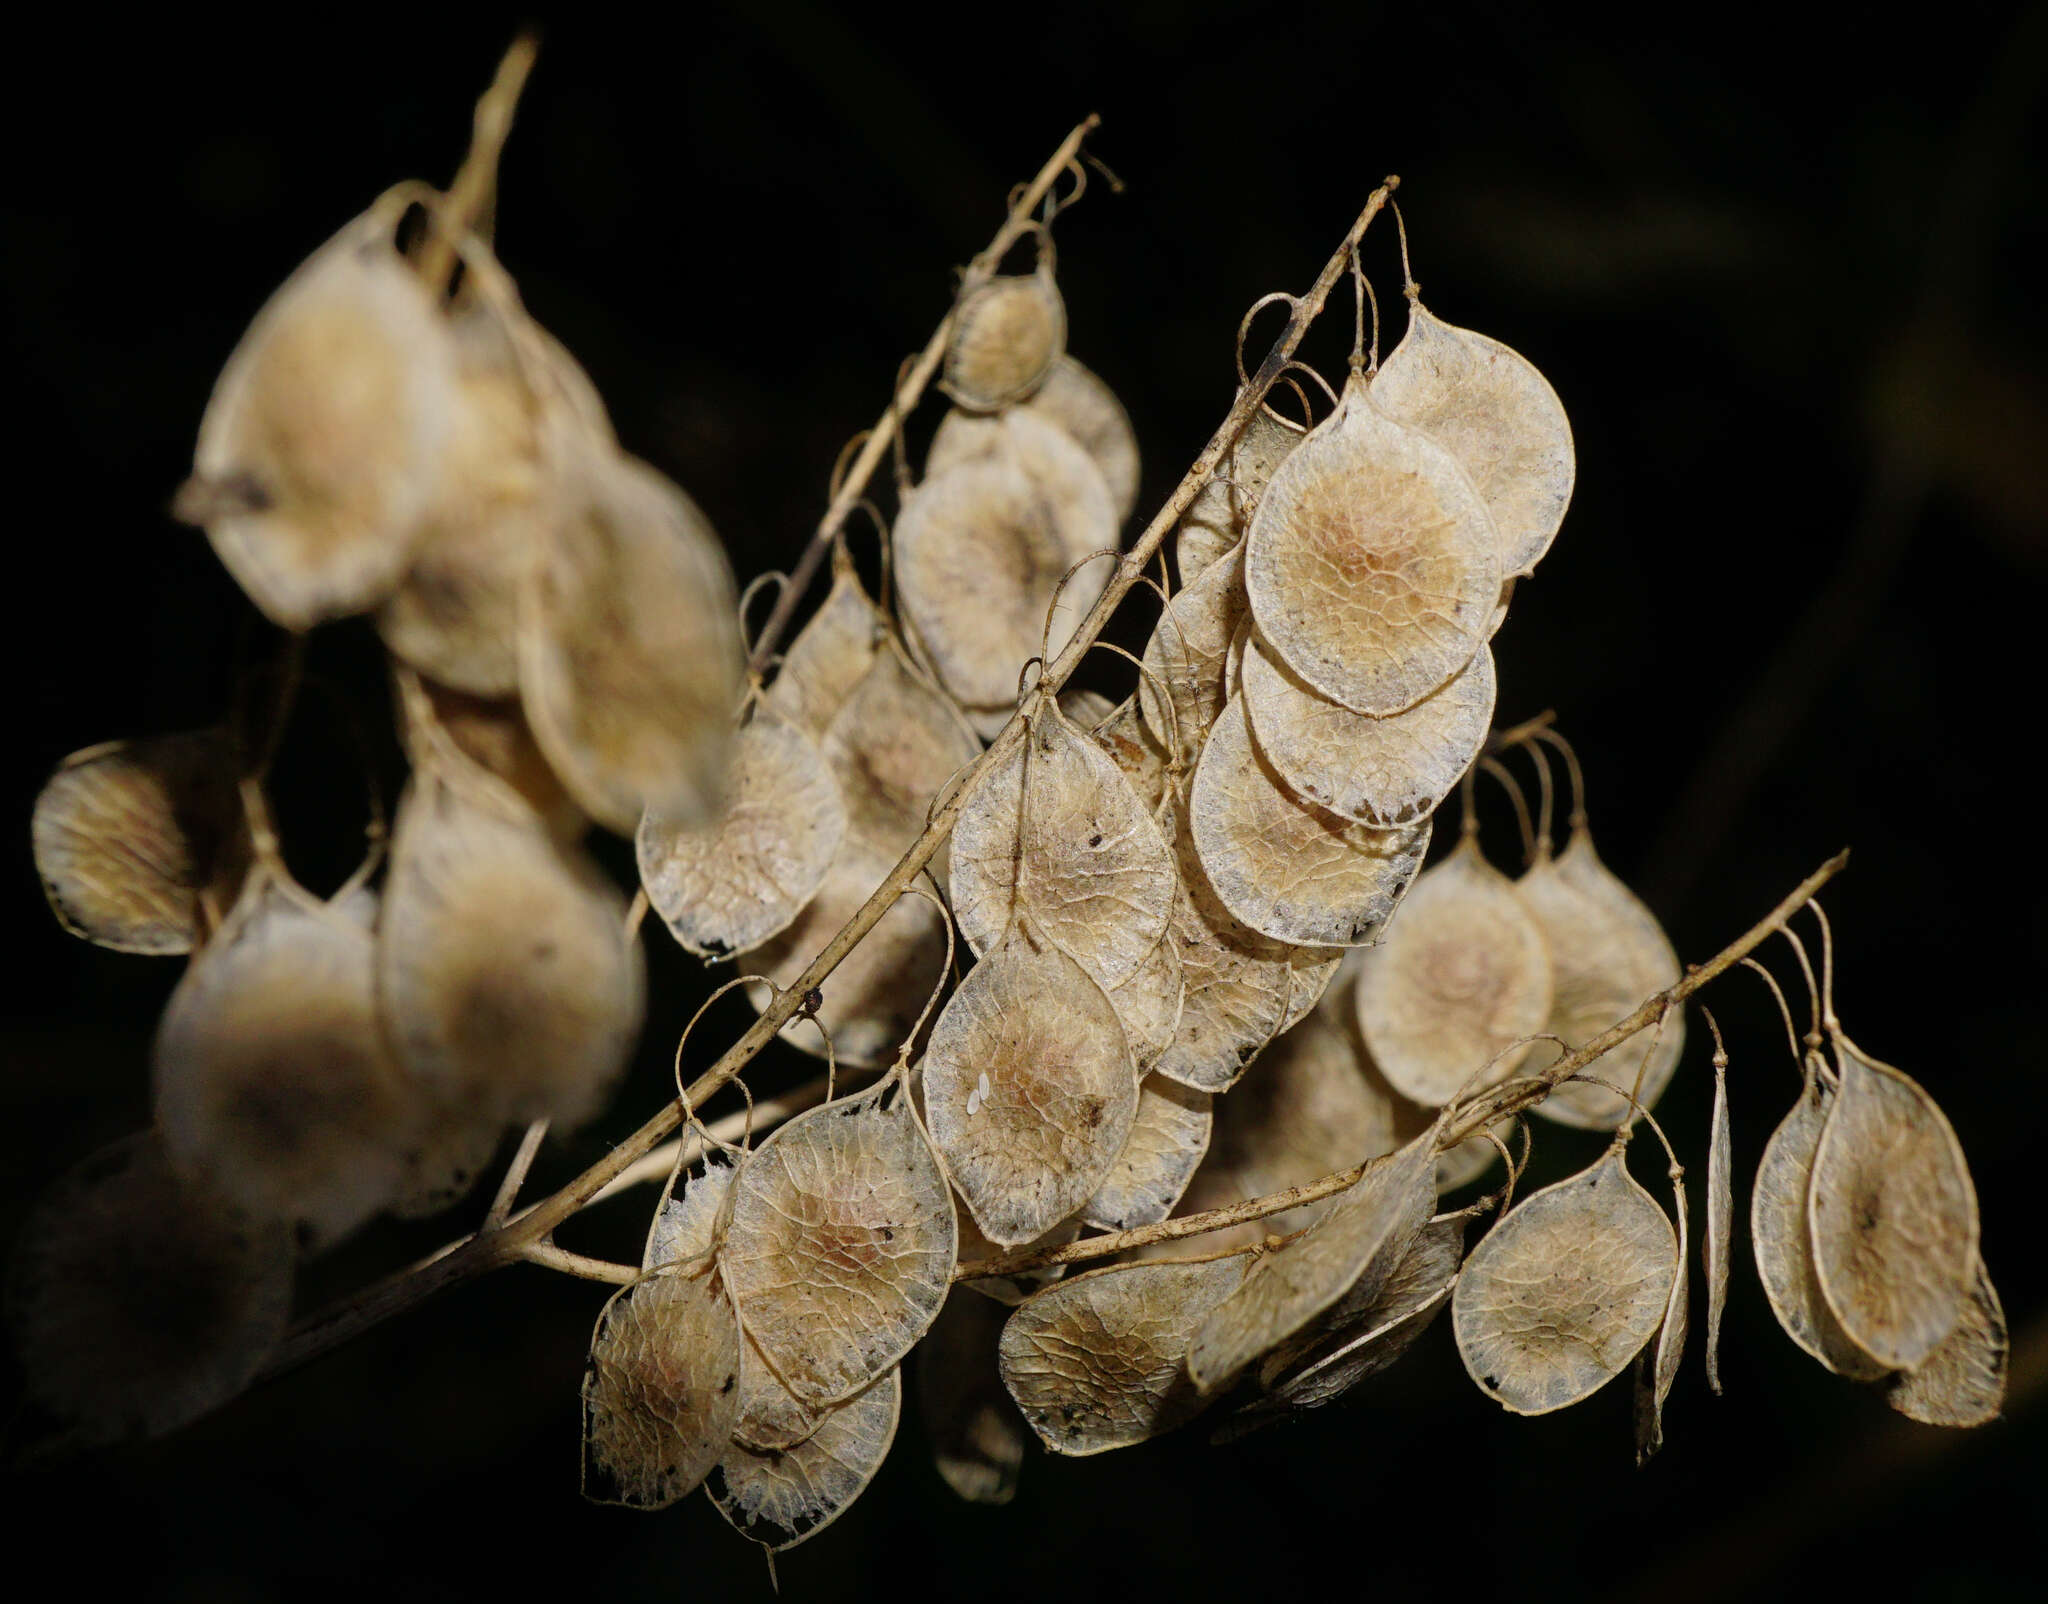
point(1720, 1217)
point(1891, 1212)
point(1657, 1366)
point(132, 838)
point(1372, 563)
point(1149, 1003)
point(503, 970)
point(1290, 870)
point(841, 1245)
point(662, 1389)
point(1352, 1247)
point(1085, 709)
point(321, 449)
point(1557, 1298)
point(1463, 974)
point(1782, 1244)
point(474, 741)
point(1961, 1383)
point(1607, 954)
point(892, 747)
point(692, 1215)
point(1057, 833)
point(830, 654)
point(1062, 1090)
point(1379, 771)
point(630, 660)
point(1100, 1361)
point(728, 884)
point(1221, 512)
point(977, 1439)
point(271, 1075)
point(1188, 652)
point(1135, 750)
point(780, 1497)
point(982, 546)
point(1011, 1290)
point(1309, 973)
point(139, 1301)
point(1087, 409)
point(1007, 334)
point(1169, 1135)
point(1490, 408)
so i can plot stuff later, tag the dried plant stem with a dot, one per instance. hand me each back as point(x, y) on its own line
point(472, 197)
point(550, 1257)
point(1482, 1112)
point(909, 391)
point(515, 1175)
point(769, 1112)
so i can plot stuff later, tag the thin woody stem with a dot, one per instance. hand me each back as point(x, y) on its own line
point(472, 196)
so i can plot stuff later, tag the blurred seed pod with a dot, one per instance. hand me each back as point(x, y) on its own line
point(1080, 403)
point(1007, 334)
point(1220, 515)
point(484, 744)
point(830, 654)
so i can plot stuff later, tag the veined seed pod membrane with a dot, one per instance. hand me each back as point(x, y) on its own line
point(322, 445)
point(1062, 1089)
point(841, 1245)
point(1462, 974)
point(1169, 1135)
point(271, 1076)
point(630, 662)
point(1961, 1383)
point(1150, 1003)
point(779, 1497)
point(1007, 334)
point(137, 1300)
point(1384, 772)
point(892, 747)
point(1087, 409)
point(977, 1439)
point(829, 656)
point(1100, 1361)
point(132, 836)
point(1563, 1293)
point(1490, 408)
point(727, 885)
point(1220, 514)
point(1188, 654)
point(1372, 562)
point(687, 1224)
point(1892, 1213)
point(1136, 751)
point(1290, 870)
point(1657, 1366)
point(662, 1390)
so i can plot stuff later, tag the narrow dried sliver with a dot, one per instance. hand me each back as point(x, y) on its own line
point(977, 1438)
point(1169, 1135)
point(828, 657)
point(1556, 1299)
point(1657, 1366)
point(1720, 1221)
point(1218, 517)
point(1100, 1361)
point(1007, 334)
point(781, 1496)
point(1188, 655)
point(1961, 1383)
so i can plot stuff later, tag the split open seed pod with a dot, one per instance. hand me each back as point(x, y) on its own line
point(1007, 334)
point(1219, 516)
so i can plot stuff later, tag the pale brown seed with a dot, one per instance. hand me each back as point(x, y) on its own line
point(1892, 1213)
point(131, 838)
point(841, 1245)
point(1187, 654)
point(977, 1438)
point(1100, 1361)
point(1490, 408)
point(1557, 1298)
point(830, 654)
point(662, 1389)
point(1961, 1383)
point(139, 1301)
point(892, 747)
point(1086, 408)
point(1462, 974)
point(1372, 562)
point(782, 1496)
point(1007, 334)
point(1218, 517)
point(1657, 1366)
point(1290, 870)
point(1169, 1135)
point(1720, 1221)
point(727, 885)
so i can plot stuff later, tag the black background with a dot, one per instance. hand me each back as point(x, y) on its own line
point(1788, 287)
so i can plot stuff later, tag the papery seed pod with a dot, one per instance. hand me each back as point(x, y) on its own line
point(779, 1497)
point(1084, 709)
point(977, 1438)
point(321, 448)
point(474, 741)
point(693, 1215)
point(134, 838)
point(1462, 974)
point(1169, 1135)
point(1007, 334)
point(1100, 1361)
point(139, 1301)
point(1086, 408)
point(1149, 1003)
point(727, 885)
point(1187, 656)
point(832, 652)
point(1557, 1298)
point(1011, 1290)
point(893, 746)
point(1135, 750)
point(1720, 1214)
point(1221, 513)
point(1489, 407)
point(1372, 563)
point(1657, 1365)
point(1961, 1383)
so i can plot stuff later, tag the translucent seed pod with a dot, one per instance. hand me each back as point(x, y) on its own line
point(1657, 1365)
point(1169, 1135)
point(1961, 1383)
point(1135, 750)
point(486, 745)
point(1188, 655)
point(977, 1438)
point(780, 1497)
point(1007, 334)
point(828, 657)
point(1220, 515)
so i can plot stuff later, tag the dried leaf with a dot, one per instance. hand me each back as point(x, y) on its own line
point(1088, 410)
point(1169, 1135)
point(1961, 1383)
point(1720, 1221)
point(1657, 1367)
point(780, 1497)
point(1007, 334)
point(830, 654)
point(1220, 514)
point(1557, 1298)
point(976, 1436)
point(1188, 653)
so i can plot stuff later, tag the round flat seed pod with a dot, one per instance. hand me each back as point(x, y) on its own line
point(630, 659)
point(727, 885)
point(1463, 973)
point(1372, 563)
point(1379, 771)
point(1169, 1135)
point(1221, 512)
point(321, 449)
point(1079, 402)
point(1100, 1361)
point(662, 1390)
point(1657, 1365)
point(503, 969)
point(139, 1301)
point(841, 1245)
point(780, 1497)
point(1354, 1245)
point(1058, 834)
point(131, 836)
point(1188, 654)
point(1290, 870)
point(1491, 409)
point(1007, 334)
point(1085, 709)
point(1136, 751)
point(1961, 1383)
point(892, 747)
point(271, 1076)
point(981, 547)
point(1149, 1004)
point(1608, 954)
point(830, 654)
point(1892, 1213)
point(1782, 1244)
point(976, 1436)
point(1033, 1027)
point(1309, 973)
point(772, 1418)
point(473, 741)
point(1557, 1298)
